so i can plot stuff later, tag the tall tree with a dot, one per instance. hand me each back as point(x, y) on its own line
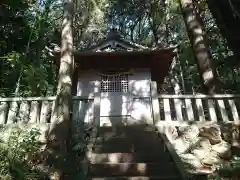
point(61, 121)
point(202, 55)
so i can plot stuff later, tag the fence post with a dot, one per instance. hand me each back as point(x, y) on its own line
point(155, 103)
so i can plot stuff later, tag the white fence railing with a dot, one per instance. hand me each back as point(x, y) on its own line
point(173, 108)
point(29, 109)
point(188, 108)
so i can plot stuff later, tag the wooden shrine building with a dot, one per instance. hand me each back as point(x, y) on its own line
point(125, 76)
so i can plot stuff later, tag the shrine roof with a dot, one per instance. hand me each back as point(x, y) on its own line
point(115, 45)
point(115, 42)
point(116, 52)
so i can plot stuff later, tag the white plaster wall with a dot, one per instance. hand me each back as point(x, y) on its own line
point(131, 107)
point(135, 106)
point(87, 83)
point(87, 86)
point(140, 91)
point(139, 83)
point(114, 104)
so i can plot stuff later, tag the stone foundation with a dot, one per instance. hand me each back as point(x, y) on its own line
point(204, 146)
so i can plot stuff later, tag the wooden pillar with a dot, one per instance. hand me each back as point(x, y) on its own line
point(155, 103)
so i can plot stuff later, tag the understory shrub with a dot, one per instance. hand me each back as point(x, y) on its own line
point(79, 143)
point(228, 170)
point(17, 149)
point(22, 156)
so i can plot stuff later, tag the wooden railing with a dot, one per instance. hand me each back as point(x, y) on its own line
point(30, 109)
point(189, 108)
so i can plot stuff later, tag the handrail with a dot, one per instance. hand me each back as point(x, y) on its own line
point(164, 96)
point(49, 98)
point(198, 96)
point(199, 107)
point(32, 109)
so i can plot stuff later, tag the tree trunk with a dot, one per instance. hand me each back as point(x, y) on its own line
point(202, 55)
point(61, 121)
point(174, 77)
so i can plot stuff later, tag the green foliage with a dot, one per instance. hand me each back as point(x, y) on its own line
point(227, 170)
point(16, 148)
point(79, 141)
point(35, 79)
point(26, 29)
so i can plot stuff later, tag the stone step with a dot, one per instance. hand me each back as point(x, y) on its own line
point(133, 135)
point(133, 127)
point(132, 169)
point(130, 158)
point(127, 128)
point(143, 141)
point(127, 148)
point(170, 177)
point(125, 131)
point(130, 153)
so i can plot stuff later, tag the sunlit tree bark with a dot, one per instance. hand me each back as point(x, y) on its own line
point(203, 57)
point(61, 121)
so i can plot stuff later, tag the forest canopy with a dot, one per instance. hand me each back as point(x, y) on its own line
point(28, 29)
